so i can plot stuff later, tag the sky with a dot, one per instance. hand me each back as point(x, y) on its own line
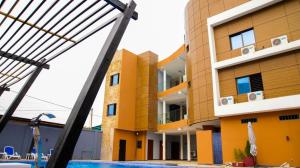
point(160, 28)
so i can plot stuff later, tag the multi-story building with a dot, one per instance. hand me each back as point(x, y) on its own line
point(240, 63)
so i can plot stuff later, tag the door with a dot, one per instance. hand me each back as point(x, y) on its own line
point(122, 150)
point(150, 149)
point(217, 148)
point(175, 150)
point(160, 150)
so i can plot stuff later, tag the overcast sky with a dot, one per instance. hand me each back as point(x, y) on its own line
point(160, 28)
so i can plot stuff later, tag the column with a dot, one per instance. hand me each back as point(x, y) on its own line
point(164, 146)
point(181, 147)
point(165, 80)
point(187, 106)
point(164, 112)
point(188, 138)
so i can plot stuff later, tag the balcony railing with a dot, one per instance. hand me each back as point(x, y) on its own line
point(173, 115)
point(171, 83)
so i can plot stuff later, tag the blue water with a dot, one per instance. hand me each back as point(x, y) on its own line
point(84, 164)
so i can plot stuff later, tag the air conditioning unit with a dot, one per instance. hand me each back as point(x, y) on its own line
point(248, 50)
point(184, 78)
point(254, 96)
point(279, 40)
point(226, 100)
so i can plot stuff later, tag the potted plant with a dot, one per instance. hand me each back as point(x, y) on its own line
point(249, 160)
point(239, 158)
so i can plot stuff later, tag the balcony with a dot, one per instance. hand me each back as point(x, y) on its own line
point(172, 107)
point(172, 74)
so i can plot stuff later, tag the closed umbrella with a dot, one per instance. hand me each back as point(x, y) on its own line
point(252, 140)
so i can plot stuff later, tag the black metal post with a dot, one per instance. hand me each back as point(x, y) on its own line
point(65, 145)
point(11, 109)
point(1, 91)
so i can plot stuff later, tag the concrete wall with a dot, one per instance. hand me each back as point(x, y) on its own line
point(19, 135)
point(156, 142)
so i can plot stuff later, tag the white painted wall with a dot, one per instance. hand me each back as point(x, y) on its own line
point(156, 139)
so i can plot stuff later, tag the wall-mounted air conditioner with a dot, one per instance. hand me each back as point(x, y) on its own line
point(279, 40)
point(226, 100)
point(248, 50)
point(254, 96)
point(184, 78)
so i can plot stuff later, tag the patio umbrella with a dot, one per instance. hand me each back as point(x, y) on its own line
point(252, 140)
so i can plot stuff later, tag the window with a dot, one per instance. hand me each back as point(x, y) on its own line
point(246, 120)
point(139, 144)
point(111, 109)
point(249, 84)
point(114, 79)
point(242, 39)
point(289, 117)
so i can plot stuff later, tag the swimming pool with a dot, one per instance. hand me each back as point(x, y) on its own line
point(95, 164)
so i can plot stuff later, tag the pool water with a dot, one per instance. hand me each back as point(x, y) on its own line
point(86, 164)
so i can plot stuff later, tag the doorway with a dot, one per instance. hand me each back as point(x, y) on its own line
point(175, 150)
point(217, 148)
point(122, 150)
point(150, 149)
point(160, 150)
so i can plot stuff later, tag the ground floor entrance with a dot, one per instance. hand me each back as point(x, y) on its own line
point(177, 146)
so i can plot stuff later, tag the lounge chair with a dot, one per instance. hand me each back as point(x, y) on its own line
point(32, 155)
point(50, 153)
point(9, 153)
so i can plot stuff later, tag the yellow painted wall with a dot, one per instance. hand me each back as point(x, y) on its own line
point(204, 147)
point(173, 125)
point(272, 145)
point(127, 97)
point(132, 153)
point(174, 89)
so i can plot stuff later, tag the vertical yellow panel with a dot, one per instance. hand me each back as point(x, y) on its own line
point(204, 147)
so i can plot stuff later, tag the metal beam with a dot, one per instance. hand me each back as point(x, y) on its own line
point(121, 7)
point(11, 109)
point(3, 88)
point(65, 145)
point(23, 59)
point(37, 27)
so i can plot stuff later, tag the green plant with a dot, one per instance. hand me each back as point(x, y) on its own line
point(239, 155)
point(247, 149)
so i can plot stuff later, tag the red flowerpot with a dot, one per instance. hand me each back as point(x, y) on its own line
point(238, 164)
point(249, 161)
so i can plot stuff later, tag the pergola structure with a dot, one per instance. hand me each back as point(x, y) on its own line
point(33, 33)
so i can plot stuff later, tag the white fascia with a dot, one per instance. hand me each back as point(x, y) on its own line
point(266, 105)
point(226, 16)
point(268, 52)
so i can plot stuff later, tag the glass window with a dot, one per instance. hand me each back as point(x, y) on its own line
point(236, 42)
point(242, 39)
point(243, 85)
point(248, 38)
point(111, 109)
point(114, 79)
point(251, 83)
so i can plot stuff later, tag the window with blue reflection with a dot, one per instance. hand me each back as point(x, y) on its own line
point(111, 109)
point(248, 38)
point(243, 85)
point(114, 79)
point(236, 41)
point(242, 39)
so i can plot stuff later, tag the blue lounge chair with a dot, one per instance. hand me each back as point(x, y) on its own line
point(9, 153)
